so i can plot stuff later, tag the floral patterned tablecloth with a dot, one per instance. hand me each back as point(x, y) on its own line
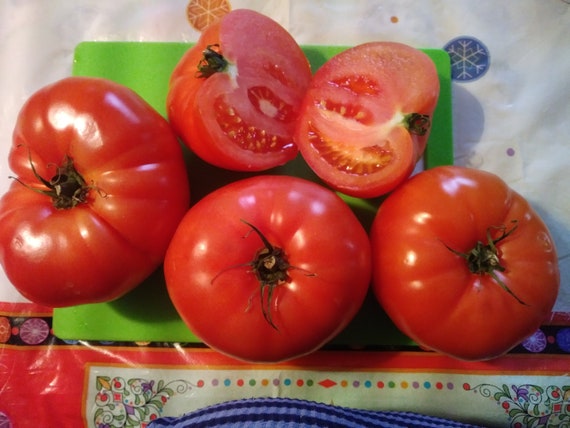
point(510, 69)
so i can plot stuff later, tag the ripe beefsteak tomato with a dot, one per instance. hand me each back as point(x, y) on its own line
point(463, 265)
point(268, 268)
point(100, 186)
point(366, 117)
point(234, 97)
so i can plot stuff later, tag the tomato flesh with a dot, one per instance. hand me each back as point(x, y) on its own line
point(247, 137)
point(242, 116)
point(354, 127)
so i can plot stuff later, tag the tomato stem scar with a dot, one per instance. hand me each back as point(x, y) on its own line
point(417, 123)
point(66, 188)
point(270, 266)
point(484, 257)
point(212, 62)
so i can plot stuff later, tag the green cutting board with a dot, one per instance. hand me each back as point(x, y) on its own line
point(146, 314)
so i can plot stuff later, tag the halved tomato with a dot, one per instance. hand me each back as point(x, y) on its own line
point(235, 96)
point(366, 117)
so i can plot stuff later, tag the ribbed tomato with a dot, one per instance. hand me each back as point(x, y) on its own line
point(100, 187)
point(268, 268)
point(462, 263)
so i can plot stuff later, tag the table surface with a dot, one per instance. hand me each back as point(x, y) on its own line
point(510, 66)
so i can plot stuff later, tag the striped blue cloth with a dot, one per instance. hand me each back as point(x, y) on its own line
point(289, 413)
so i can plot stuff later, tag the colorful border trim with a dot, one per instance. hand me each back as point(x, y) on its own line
point(112, 392)
point(37, 330)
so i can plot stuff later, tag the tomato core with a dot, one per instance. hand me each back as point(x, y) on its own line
point(267, 103)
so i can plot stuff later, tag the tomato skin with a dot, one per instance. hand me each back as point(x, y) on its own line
point(218, 295)
point(353, 130)
point(428, 290)
point(266, 66)
point(138, 191)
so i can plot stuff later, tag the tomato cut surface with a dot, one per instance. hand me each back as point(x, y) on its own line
point(462, 263)
point(268, 268)
point(100, 186)
point(235, 96)
point(366, 117)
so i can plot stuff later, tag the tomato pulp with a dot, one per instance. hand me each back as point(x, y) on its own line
point(268, 268)
point(462, 263)
point(100, 187)
point(366, 117)
point(235, 96)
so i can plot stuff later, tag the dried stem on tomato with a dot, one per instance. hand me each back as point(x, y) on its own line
point(66, 188)
point(417, 123)
point(212, 62)
point(270, 266)
point(484, 257)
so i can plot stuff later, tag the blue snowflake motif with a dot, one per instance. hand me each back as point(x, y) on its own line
point(470, 58)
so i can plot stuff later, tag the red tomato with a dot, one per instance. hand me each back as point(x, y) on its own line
point(234, 97)
point(462, 264)
point(101, 186)
point(366, 117)
point(268, 268)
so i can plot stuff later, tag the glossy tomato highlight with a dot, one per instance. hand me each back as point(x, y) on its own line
point(100, 186)
point(234, 97)
point(366, 117)
point(463, 264)
point(268, 268)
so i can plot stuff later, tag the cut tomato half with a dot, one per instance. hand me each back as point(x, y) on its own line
point(235, 96)
point(366, 117)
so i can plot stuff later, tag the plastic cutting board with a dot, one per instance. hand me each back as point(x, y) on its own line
point(146, 314)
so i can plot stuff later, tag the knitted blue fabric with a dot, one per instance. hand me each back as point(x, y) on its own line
point(290, 413)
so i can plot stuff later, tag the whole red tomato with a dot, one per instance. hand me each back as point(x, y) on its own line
point(234, 97)
point(462, 264)
point(100, 187)
point(366, 117)
point(268, 268)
